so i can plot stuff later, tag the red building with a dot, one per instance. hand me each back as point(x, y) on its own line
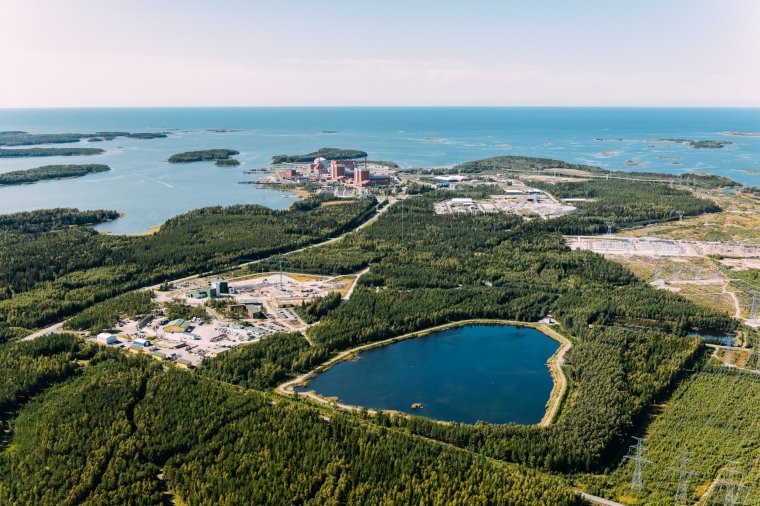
point(337, 170)
point(361, 177)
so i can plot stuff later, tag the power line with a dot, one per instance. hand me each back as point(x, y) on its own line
point(732, 485)
point(637, 483)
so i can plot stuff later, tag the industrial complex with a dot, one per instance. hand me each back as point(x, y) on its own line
point(236, 311)
point(340, 174)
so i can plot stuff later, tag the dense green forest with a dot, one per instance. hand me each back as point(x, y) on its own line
point(31, 152)
point(326, 153)
point(50, 269)
point(199, 156)
point(317, 308)
point(50, 172)
point(103, 316)
point(92, 425)
point(711, 420)
point(21, 138)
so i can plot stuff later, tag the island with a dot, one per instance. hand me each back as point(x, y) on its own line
point(742, 134)
point(227, 162)
point(49, 172)
point(698, 144)
point(326, 153)
point(199, 156)
point(22, 138)
point(33, 152)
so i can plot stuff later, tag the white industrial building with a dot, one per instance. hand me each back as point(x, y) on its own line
point(107, 338)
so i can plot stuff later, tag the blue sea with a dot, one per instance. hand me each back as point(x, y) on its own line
point(149, 190)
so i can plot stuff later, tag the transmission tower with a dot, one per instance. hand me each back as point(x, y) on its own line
point(731, 485)
point(753, 308)
point(698, 274)
point(610, 226)
point(637, 483)
point(678, 275)
point(684, 476)
point(680, 215)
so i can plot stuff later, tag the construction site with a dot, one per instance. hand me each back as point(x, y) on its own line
point(236, 310)
point(528, 203)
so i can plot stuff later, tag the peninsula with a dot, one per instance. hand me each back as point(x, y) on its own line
point(22, 138)
point(326, 153)
point(33, 152)
point(49, 172)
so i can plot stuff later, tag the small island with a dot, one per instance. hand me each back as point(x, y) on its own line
point(22, 138)
point(227, 162)
point(326, 153)
point(49, 172)
point(33, 152)
point(698, 144)
point(199, 156)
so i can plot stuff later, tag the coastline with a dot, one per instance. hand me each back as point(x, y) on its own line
point(555, 363)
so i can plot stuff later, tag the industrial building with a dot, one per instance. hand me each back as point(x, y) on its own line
point(451, 179)
point(202, 293)
point(220, 286)
point(106, 338)
point(177, 325)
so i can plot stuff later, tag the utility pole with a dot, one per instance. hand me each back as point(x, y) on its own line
point(637, 483)
point(281, 262)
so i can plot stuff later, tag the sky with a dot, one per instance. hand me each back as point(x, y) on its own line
point(132, 53)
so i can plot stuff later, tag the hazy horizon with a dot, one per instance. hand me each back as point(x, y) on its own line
point(396, 54)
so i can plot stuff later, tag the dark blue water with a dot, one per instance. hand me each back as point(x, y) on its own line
point(496, 374)
point(150, 191)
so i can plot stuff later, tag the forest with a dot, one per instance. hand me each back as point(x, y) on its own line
point(710, 423)
point(326, 153)
point(50, 269)
point(92, 425)
point(199, 156)
point(33, 152)
point(49, 172)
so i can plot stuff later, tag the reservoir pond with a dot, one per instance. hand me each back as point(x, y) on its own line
point(491, 373)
